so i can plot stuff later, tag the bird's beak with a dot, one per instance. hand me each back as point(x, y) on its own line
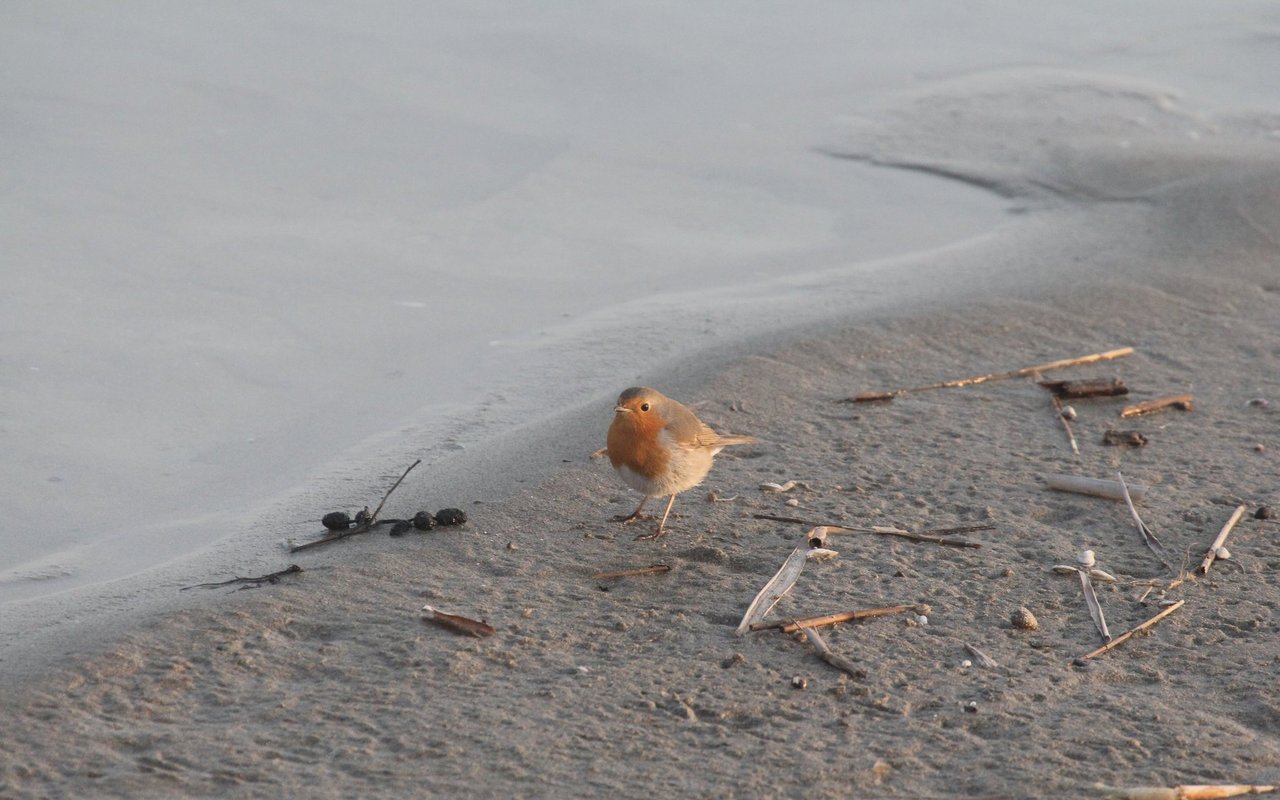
point(621, 409)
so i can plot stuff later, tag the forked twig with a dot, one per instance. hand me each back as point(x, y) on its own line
point(1124, 637)
point(249, 582)
point(1220, 540)
point(361, 528)
point(1148, 535)
point(839, 662)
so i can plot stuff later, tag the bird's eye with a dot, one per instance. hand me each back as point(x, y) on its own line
point(644, 406)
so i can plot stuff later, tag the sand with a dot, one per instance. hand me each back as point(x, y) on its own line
point(1135, 232)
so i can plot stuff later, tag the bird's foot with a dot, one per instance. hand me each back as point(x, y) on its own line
point(656, 535)
point(627, 519)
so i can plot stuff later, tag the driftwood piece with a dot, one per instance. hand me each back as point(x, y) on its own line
point(1116, 438)
point(365, 526)
point(1071, 390)
point(1179, 401)
point(458, 624)
point(1220, 540)
point(1186, 792)
point(775, 589)
point(789, 625)
point(1124, 637)
point(653, 569)
point(839, 662)
point(938, 536)
point(1097, 487)
point(994, 376)
point(1148, 535)
point(250, 583)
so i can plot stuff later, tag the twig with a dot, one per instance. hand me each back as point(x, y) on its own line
point(1148, 535)
point(258, 581)
point(776, 588)
point(1179, 401)
point(994, 376)
point(1187, 792)
point(1093, 486)
point(458, 624)
point(368, 524)
point(983, 659)
point(1220, 540)
point(936, 537)
point(1095, 608)
point(1081, 389)
point(789, 625)
point(1066, 424)
point(839, 662)
point(654, 569)
point(1124, 637)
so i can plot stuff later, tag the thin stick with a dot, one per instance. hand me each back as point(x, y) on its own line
point(1148, 535)
point(1071, 437)
point(654, 569)
point(457, 624)
point(994, 376)
point(839, 662)
point(1186, 792)
point(1124, 637)
point(258, 581)
point(1095, 608)
point(1179, 401)
point(789, 625)
point(1220, 540)
point(776, 588)
point(927, 536)
point(366, 526)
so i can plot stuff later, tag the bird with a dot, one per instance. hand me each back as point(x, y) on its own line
point(659, 447)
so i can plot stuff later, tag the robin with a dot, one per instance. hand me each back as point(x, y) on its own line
point(659, 447)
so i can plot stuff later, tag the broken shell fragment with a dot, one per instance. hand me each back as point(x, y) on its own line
point(1222, 553)
point(1086, 558)
point(1024, 619)
point(1068, 413)
point(1105, 577)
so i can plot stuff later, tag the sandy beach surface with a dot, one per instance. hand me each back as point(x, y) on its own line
point(1144, 225)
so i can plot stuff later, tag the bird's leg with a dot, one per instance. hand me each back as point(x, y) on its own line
point(662, 526)
point(634, 515)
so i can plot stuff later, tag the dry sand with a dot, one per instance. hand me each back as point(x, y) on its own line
point(330, 685)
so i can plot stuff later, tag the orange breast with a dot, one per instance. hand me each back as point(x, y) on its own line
point(633, 442)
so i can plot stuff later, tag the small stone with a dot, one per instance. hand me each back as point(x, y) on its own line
point(401, 527)
point(1024, 619)
point(451, 516)
point(1259, 402)
point(1265, 512)
point(512, 546)
point(800, 682)
point(1068, 413)
point(336, 521)
point(966, 664)
point(734, 660)
point(424, 520)
point(971, 707)
point(1259, 447)
point(1222, 553)
point(921, 619)
point(794, 503)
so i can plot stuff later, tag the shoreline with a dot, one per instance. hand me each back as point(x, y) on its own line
point(331, 685)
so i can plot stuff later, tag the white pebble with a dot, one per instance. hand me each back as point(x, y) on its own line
point(1222, 553)
point(1068, 413)
point(966, 664)
point(922, 619)
point(794, 503)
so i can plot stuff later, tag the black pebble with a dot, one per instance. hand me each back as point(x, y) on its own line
point(424, 521)
point(1265, 512)
point(451, 516)
point(336, 521)
point(401, 527)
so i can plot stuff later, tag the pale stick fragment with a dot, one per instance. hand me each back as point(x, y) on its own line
point(1220, 540)
point(776, 588)
point(937, 537)
point(789, 625)
point(1097, 487)
point(1066, 424)
point(839, 662)
point(1095, 608)
point(653, 569)
point(995, 376)
point(778, 488)
point(1124, 637)
point(1148, 535)
point(1188, 792)
point(459, 624)
point(983, 659)
point(1179, 401)
point(817, 537)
